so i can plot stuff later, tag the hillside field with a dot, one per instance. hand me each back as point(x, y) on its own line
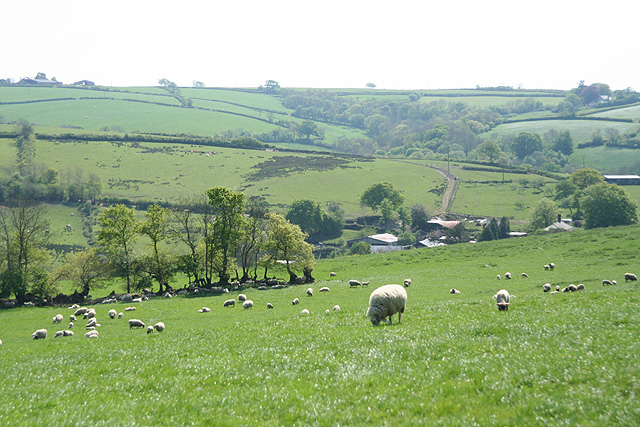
point(563, 359)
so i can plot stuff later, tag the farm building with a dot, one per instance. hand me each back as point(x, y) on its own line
point(384, 239)
point(38, 82)
point(437, 224)
point(622, 179)
point(84, 83)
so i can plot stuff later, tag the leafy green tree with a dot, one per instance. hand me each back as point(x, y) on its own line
point(26, 149)
point(86, 269)
point(491, 150)
point(419, 217)
point(526, 143)
point(607, 205)
point(371, 85)
point(307, 214)
point(376, 193)
point(403, 216)
point(387, 213)
point(544, 214)
point(360, 248)
point(490, 231)
point(307, 129)
point(583, 178)
point(564, 189)
point(253, 238)
point(504, 228)
point(227, 227)
point(287, 244)
point(116, 238)
point(156, 228)
point(457, 234)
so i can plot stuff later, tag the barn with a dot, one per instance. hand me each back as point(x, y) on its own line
point(622, 179)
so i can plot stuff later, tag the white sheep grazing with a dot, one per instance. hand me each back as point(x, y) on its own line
point(58, 318)
point(72, 318)
point(613, 282)
point(332, 274)
point(365, 284)
point(80, 311)
point(247, 304)
point(74, 306)
point(130, 309)
point(580, 287)
point(630, 277)
point(606, 282)
point(159, 326)
point(407, 283)
point(572, 288)
point(454, 291)
point(566, 289)
point(120, 315)
point(507, 275)
point(295, 301)
point(525, 275)
point(354, 283)
point(502, 299)
point(70, 325)
point(92, 322)
point(546, 266)
point(90, 328)
point(113, 313)
point(304, 312)
point(136, 323)
point(269, 305)
point(551, 266)
point(232, 302)
point(498, 277)
point(91, 313)
point(40, 334)
point(336, 307)
point(309, 292)
point(91, 334)
point(324, 289)
point(59, 334)
point(204, 310)
point(242, 297)
point(546, 287)
point(149, 329)
point(386, 301)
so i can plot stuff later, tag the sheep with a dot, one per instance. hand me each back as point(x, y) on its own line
point(336, 307)
point(332, 274)
point(89, 314)
point(546, 287)
point(64, 333)
point(136, 323)
point(247, 304)
point(507, 275)
point(386, 301)
point(269, 305)
point(557, 288)
point(365, 284)
point(120, 315)
point(525, 275)
point(0, 342)
point(295, 301)
point(80, 311)
point(70, 325)
point(566, 289)
point(167, 295)
point(498, 277)
point(149, 329)
point(136, 300)
point(354, 283)
point(324, 289)
point(546, 266)
point(72, 318)
point(92, 322)
point(502, 299)
point(304, 312)
point(242, 297)
point(580, 287)
point(310, 292)
point(551, 266)
point(91, 334)
point(407, 283)
point(206, 309)
point(606, 282)
point(130, 309)
point(572, 288)
point(58, 318)
point(159, 326)
point(59, 334)
point(613, 282)
point(40, 334)
point(73, 307)
point(90, 328)
point(231, 302)
point(630, 277)
point(113, 314)
point(454, 291)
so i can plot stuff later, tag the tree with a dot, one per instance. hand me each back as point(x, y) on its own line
point(490, 150)
point(544, 214)
point(583, 178)
point(253, 238)
point(563, 143)
point(386, 212)
point(271, 86)
point(526, 143)
point(371, 85)
point(228, 206)
point(490, 231)
point(189, 223)
point(116, 238)
point(607, 205)
point(86, 269)
point(197, 83)
point(419, 217)
point(564, 189)
point(287, 244)
point(156, 228)
point(457, 234)
point(307, 129)
point(307, 214)
point(504, 228)
point(360, 248)
point(376, 193)
point(26, 149)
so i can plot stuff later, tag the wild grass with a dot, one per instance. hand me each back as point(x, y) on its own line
point(581, 130)
point(564, 359)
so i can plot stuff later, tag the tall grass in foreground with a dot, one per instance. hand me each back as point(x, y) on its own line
point(564, 359)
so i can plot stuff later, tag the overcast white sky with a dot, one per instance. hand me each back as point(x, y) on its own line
point(398, 44)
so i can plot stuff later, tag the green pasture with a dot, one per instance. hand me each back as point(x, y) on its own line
point(490, 101)
point(252, 99)
point(17, 94)
point(563, 359)
point(605, 159)
point(581, 130)
point(632, 113)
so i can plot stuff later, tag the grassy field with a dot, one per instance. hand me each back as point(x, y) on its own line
point(605, 159)
point(564, 359)
point(632, 113)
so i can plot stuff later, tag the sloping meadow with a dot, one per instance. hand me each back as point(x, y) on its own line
point(551, 359)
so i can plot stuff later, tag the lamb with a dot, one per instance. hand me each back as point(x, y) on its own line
point(502, 299)
point(566, 289)
point(546, 266)
point(454, 291)
point(93, 322)
point(130, 309)
point(120, 315)
point(59, 334)
point(304, 312)
point(310, 292)
point(206, 309)
point(232, 302)
point(354, 283)
point(80, 311)
point(336, 307)
point(149, 329)
point(58, 318)
point(63, 334)
point(269, 305)
point(386, 301)
point(70, 325)
point(525, 275)
point(498, 277)
point(324, 289)
point(507, 275)
point(247, 304)
point(242, 297)
point(365, 284)
point(572, 288)
point(89, 314)
point(551, 266)
point(546, 287)
point(40, 334)
point(606, 282)
point(72, 318)
point(407, 282)
point(295, 301)
point(580, 287)
point(113, 314)
point(91, 334)
point(136, 323)
point(332, 274)
point(73, 307)
point(630, 277)
point(159, 326)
